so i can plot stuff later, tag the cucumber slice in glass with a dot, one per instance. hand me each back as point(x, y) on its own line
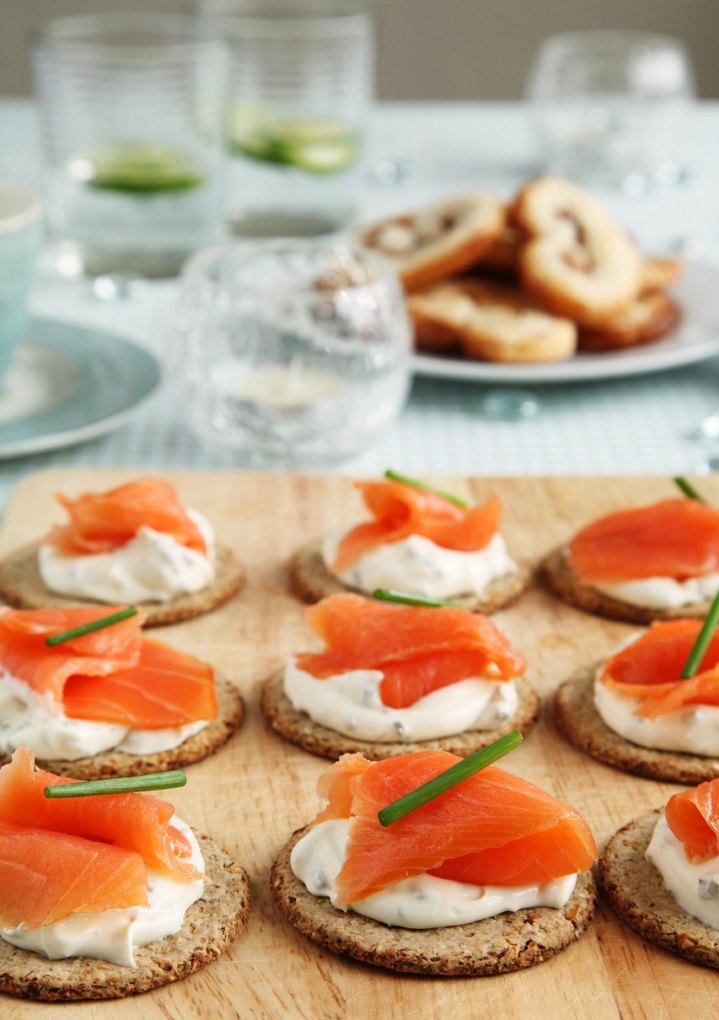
point(139, 169)
point(318, 147)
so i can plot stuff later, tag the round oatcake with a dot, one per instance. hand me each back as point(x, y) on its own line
point(297, 727)
point(230, 715)
point(210, 926)
point(510, 941)
point(311, 581)
point(579, 720)
point(22, 586)
point(559, 577)
point(637, 893)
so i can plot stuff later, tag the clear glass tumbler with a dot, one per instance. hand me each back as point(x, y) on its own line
point(292, 352)
point(128, 106)
point(300, 83)
point(609, 107)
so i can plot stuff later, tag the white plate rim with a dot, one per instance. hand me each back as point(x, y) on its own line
point(695, 339)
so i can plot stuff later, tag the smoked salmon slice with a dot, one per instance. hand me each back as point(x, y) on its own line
point(103, 521)
point(112, 675)
point(47, 876)
point(133, 821)
point(418, 649)
point(649, 669)
point(676, 538)
point(693, 817)
point(493, 828)
point(400, 510)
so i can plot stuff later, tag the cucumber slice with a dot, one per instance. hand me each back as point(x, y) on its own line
point(139, 169)
point(317, 147)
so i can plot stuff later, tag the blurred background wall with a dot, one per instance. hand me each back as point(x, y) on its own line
point(432, 49)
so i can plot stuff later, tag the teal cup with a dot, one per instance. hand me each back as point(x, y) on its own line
point(20, 236)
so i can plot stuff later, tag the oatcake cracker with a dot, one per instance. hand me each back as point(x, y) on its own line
point(297, 727)
point(637, 893)
point(230, 714)
point(579, 720)
point(210, 926)
point(22, 586)
point(510, 941)
point(311, 581)
point(557, 574)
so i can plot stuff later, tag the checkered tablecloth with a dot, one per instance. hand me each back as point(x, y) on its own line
point(625, 426)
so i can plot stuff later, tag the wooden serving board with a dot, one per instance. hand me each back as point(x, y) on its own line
point(257, 790)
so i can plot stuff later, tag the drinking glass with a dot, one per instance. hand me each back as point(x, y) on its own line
point(292, 352)
point(132, 142)
point(608, 107)
point(299, 89)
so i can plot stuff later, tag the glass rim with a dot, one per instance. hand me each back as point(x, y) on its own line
point(606, 35)
point(198, 266)
point(312, 21)
point(126, 34)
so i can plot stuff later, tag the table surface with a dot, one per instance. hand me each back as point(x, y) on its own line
point(257, 789)
point(639, 425)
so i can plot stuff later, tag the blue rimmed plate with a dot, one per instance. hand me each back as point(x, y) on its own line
point(69, 384)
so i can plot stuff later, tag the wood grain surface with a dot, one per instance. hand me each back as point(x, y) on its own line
point(258, 789)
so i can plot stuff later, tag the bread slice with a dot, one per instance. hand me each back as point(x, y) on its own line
point(311, 580)
point(510, 941)
point(659, 272)
point(211, 925)
point(489, 322)
point(576, 260)
point(650, 317)
point(580, 722)
point(109, 763)
point(557, 574)
point(22, 586)
point(637, 893)
point(299, 729)
point(437, 241)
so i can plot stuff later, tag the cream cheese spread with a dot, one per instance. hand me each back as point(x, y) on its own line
point(422, 901)
point(663, 592)
point(693, 729)
point(152, 567)
point(28, 718)
point(415, 564)
point(350, 703)
point(113, 935)
point(695, 886)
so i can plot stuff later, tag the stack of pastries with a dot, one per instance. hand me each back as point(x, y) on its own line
point(536, 279)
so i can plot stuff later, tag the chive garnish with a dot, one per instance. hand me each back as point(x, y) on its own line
point(93, 625)
point(702, 642)
point(394, 476)
point(688, 489)
point(446, 780)
point(390, 595)
point(123, 784)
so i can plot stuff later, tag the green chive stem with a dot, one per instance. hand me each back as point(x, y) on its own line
point(688, 489)
point(390, 595)
point(395, 476)
point(123, 784)
point(702, 642)
point(446, 780)
point(93, 625)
